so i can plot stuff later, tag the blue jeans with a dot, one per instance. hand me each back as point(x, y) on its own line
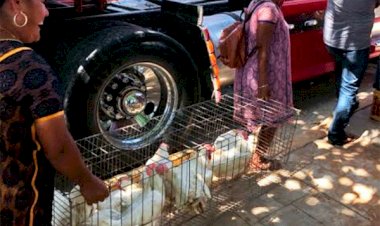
point(350, 68)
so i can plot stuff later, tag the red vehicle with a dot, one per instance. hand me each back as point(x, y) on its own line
point(308, 52)
point(309, 56)
point(129, 61)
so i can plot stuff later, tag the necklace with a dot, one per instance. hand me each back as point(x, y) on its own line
point(10, 35)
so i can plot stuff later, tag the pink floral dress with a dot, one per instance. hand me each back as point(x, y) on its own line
point(279, 74)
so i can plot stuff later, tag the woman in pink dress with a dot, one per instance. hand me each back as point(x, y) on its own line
point(266, 74)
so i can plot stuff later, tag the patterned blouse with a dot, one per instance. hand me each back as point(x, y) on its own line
point(29, 92)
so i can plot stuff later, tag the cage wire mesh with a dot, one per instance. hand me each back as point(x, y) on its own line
point(195, 171)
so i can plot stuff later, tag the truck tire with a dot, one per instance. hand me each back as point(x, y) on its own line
point(128, 88)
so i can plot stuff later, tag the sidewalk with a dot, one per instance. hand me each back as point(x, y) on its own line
point(321, 184)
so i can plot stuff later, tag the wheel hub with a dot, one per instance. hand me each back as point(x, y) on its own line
point(134, 95)
point(133, 102)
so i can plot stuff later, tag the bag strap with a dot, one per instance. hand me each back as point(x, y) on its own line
point(249, 14)
point(12, 52)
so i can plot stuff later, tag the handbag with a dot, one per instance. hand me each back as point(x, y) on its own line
point(232, 42)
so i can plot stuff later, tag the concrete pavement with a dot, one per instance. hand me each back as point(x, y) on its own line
point(321, 184)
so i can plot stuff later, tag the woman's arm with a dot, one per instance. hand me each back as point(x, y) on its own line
point(264, 37)
point(63, 153)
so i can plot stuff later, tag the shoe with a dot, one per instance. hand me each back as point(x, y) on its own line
point(349, 138)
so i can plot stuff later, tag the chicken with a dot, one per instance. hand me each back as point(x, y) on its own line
point(104, 217)
point(121, 196)
point(189, 185)
point(161, 156)
point(121, 207)
point(144, 208)
point(185, 184)
point(205, 170)
point(161, 160)
point(79, 208)
point(147, 208)
point(230, 153)
point(61, 209)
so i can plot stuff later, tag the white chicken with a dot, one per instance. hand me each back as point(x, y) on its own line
point(147, 208)
point(163, 163)
point(161, 156)
point(79, 208)
point(121, 196)
point(144, 209)
point(205, 171)
point(134, 204)
point(185, 184)
point(61, 209)
point(230, 153)
point(104, 217)
point(189, 185)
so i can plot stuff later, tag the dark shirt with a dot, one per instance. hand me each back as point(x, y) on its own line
point(29, 91)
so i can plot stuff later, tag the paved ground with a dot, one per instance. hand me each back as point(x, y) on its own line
point(322, 184)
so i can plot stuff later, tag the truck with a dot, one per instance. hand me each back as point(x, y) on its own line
point(124, 62)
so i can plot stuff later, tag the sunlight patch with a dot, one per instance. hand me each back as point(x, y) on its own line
point(324, 182)
point(259, 210)
point(292, 185)
point(348, 198)
point(312, 201)
point(358, 172)
point(345, 181)
point(365, 193)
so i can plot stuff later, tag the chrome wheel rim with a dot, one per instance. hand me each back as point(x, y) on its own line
point(136, 104)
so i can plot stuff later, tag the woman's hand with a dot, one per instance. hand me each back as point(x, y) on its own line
point(93, 190)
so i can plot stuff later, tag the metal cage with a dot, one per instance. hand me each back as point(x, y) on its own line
point(189, 173)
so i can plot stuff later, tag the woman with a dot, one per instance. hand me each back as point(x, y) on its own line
point(266, 74)
point(34, 139)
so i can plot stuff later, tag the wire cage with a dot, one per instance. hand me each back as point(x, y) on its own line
point(187, 174)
